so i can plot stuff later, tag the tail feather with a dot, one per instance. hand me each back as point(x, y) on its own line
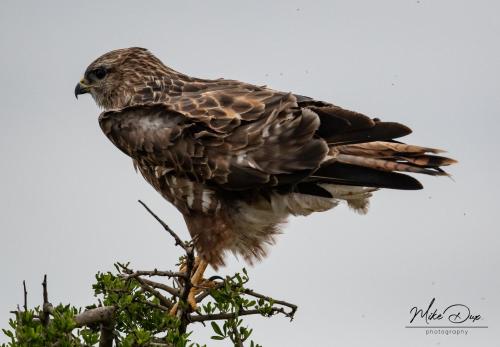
point(363, 152)
point(388, 156)
point(429, 160)
point(376, 164)
point(386, 165)
point(386, 147)
point(354, 175)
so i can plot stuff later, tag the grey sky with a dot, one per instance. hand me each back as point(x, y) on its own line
point(68, 196)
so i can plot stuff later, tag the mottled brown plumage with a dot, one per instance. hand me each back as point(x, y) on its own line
point(236, 159)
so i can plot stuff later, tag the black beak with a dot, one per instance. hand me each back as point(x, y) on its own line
point(81, 89)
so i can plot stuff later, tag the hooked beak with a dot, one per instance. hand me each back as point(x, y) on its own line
point(81, 88)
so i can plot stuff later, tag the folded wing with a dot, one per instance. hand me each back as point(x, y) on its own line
point(246, 138)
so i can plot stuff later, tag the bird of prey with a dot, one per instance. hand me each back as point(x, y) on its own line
point(237, 159)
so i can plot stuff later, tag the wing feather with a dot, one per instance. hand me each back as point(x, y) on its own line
point(235, 153)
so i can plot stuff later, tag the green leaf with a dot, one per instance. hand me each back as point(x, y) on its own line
point(216, 328)
point(217, 337)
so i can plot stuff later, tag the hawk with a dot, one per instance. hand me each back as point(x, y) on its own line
point(237, 159)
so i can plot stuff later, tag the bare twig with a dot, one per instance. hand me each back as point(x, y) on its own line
point(25, 305)
point(160, 307)
point(136, 274)
point(47, 306)
point(178, 241)
point(155, 272)
point(157, 285)
point(292, 307)
point(183, 310)
point(267, 298)
point(45, 292)
point(164, 301)
point(190, 265)
point(147, 286)
point(223, 316)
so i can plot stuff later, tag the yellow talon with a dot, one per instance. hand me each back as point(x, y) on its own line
point(196, 280)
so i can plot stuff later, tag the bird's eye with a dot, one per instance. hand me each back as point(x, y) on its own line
point(99, 73)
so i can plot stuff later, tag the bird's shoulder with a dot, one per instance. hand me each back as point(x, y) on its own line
point(224, 105)
point(221, 104)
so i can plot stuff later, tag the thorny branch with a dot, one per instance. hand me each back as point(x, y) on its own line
point(164, 301)
point(279, 302)
point(182, 313)
point(168, 289)
point(168, 297)
point(224, 316)
point(155, 272)
point(47, 306)
point(178, 241)
point(25, 306)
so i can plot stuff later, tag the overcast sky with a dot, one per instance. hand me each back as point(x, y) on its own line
point(69, 197)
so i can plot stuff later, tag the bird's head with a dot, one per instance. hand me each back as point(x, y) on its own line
point(115, 77)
